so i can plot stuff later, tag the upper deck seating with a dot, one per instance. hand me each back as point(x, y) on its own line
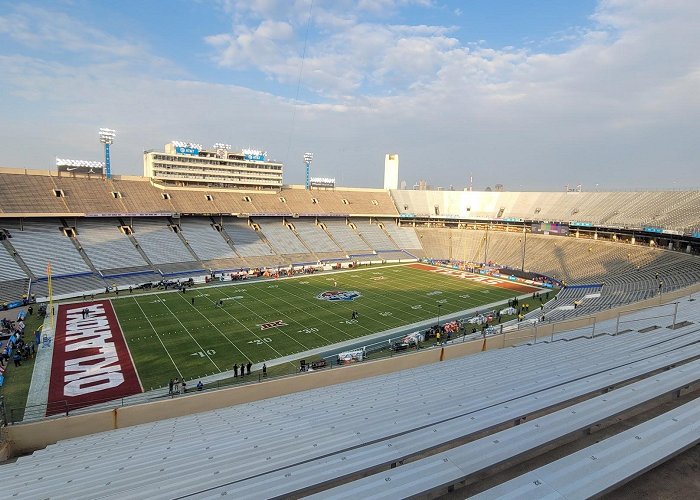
point(245, 239)
point(280, 236)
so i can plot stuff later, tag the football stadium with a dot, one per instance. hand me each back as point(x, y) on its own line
point(382, 343)
point(509, 312)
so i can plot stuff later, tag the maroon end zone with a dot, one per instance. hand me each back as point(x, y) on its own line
point(480, 278)
point(91, 363)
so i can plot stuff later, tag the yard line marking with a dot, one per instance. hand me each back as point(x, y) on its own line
point(159, 339)
point(191, 336)
point(222, 333)
point(262, 318)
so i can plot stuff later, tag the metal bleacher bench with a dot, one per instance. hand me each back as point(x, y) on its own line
point(604, 466)
point(436, 473)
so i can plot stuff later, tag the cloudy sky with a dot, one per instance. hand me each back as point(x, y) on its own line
point(533, 95)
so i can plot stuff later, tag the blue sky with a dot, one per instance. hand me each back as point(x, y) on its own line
point(528, 94)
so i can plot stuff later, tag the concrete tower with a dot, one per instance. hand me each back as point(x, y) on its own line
point(391, 171)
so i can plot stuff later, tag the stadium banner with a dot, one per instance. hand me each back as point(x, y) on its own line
point(656, 230)
point(581, 224)
point(130, 214)
point(322, 182)
point(91, 362)
point(696, 235)
point(550, 228)
point(182, 150)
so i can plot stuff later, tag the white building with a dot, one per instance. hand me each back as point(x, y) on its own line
point(188, 164)
point(391, 171)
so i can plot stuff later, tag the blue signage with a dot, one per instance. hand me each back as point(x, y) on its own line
point(653, 230)
point(181, 150)
point(696, 235)
point(252, 157)
point(582, 224)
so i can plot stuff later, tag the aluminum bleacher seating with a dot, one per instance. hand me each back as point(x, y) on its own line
point(345, 236)
point(245, 239)
point(205, 240)
point(314, 236)
point(405, 237)
point(106, 246)
point(280, 237)
point(160, 243)
point(607, 465)
point(374, 235)
point(296, 443)
point(41, 242)
point(436, 473)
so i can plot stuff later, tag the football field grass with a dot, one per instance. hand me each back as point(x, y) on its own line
point(170, 336)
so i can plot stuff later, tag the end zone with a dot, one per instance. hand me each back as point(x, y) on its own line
point(91, 362)
point(479, 278)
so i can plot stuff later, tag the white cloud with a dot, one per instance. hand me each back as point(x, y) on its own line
point(620, 108)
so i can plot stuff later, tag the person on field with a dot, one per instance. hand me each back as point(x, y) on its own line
point(170, 386)
point(264, 370)
point(235, 370)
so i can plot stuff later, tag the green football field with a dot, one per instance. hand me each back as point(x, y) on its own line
point(168, 336)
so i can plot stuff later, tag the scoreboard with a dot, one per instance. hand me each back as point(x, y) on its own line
point(550, 228)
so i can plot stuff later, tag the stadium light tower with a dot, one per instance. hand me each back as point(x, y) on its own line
point(107, 138)
point(307, 160)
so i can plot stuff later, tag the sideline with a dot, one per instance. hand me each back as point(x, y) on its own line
point(38, 395)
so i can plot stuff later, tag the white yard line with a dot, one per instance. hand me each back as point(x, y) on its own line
point(222, 333)
point(159, 339)
point(128, 350)
point(204, 351)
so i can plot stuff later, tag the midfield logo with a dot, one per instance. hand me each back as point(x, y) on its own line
point(338, 295)
point(272, 324)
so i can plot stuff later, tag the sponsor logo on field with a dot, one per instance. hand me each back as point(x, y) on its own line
point(272, 324)
point(338, 295)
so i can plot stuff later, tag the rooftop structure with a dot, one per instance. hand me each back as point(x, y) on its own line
point(189, 164)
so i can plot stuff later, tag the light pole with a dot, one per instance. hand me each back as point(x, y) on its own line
point(107, 138)
point(307, 160)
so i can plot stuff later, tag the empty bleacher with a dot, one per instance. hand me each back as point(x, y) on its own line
point(39, 242)
point(314, 236)
point(106, 246)
point(245, 239)
point(345, 236)
point(427, 437)
point(160, 243)
point(205, 239)
point(374, 235)
point(404, 236)
point(280, 237)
